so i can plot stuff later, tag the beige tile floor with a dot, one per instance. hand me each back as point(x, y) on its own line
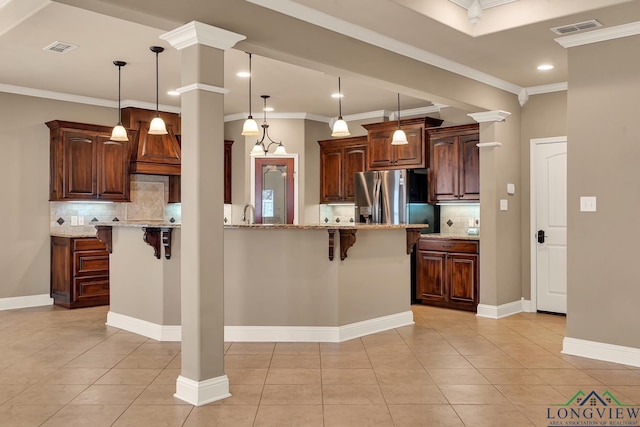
point(66, 368)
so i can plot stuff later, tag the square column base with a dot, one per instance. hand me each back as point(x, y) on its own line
point(200, 393)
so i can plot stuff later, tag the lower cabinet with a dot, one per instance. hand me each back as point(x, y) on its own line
point(79, 272)
point(447, 273)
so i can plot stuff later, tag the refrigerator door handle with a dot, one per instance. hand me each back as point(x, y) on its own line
point(375, 214)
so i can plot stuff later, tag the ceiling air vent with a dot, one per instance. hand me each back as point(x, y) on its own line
point(572, 28)
point(60, 47)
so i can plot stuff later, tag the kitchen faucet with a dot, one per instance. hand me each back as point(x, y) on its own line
point(244, 214)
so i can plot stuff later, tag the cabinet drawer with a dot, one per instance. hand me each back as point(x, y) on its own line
point(91, 262)
point(90, 287)
point(88, 244)
point(446, 245)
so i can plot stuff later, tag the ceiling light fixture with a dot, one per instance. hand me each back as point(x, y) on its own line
point(340, 127)
point(399, 137)
point(157, 126)
point(119, 133)
point(260, 148)
point(250, 127)
point(545, 67)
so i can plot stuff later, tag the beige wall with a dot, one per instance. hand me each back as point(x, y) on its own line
point(543, 116)
point(603, 159)
point(24, 173)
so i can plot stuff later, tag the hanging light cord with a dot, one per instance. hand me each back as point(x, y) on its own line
point(119, 109)
point(398, 110)
point(158, 85)
point(339, 101)
point(250, 74)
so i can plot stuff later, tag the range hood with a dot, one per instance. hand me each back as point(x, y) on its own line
point(153, 154)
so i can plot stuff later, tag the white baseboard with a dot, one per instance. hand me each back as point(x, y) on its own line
point(316, 333)
point(526, 305)
point(601, 351)
point(268, 333)
point(200, 393)
point(13, 303)
point(144, 328)
point(499, 311)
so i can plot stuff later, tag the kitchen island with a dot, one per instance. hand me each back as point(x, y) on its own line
point(280, 282)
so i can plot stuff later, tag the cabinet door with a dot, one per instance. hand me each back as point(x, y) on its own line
point(430, 276)
point(381, 154)
point(113, 169)
point(79, 165)
point(444, 169)
point(61, 269)
point(355, 160)
point(411, 154)
point(463, 279)
point(470, 167)
point(331, 174)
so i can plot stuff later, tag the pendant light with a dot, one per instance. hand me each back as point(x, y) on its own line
point(399, 137)
point(157, 126)
point(119, 133)
point(259, 148)
point(340, 127)
point(250, 126)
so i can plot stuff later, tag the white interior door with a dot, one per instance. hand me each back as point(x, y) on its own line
point(550, 231)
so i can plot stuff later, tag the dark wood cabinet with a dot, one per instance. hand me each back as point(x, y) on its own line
point(454, 164)
point(175, 194)
point(86, 165)
point(383, 155)
point(447, 273)
point(340, 159)
point(79, 272)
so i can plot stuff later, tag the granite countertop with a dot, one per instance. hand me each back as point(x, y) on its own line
point(327, 226)
point(72, 234)
point(451, 236)
point(147, 223)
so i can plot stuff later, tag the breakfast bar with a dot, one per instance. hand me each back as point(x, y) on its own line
point(280, 283)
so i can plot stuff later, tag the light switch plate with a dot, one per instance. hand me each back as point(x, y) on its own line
point(587, 204)
point(74, 220)
point(504, 205)
point(511, 189)
point(81, 220)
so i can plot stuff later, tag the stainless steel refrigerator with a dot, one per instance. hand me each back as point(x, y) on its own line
point(381, 197)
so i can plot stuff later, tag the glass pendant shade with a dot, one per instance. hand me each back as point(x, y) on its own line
point(250, 127)
point(340, 128)
point(157, 126)
point(119, 133)
point(280, 149)
point(258, 150)
point(399, 137)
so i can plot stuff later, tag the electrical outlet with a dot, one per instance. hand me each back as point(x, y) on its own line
point(80, 220)
point(74, 220)
point(477, 222)
point(471, 222)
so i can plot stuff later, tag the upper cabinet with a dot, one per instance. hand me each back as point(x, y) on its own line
point(383, 155)
point(86, 165)
point(454, 163)
point(340, 159)
point(153, 154)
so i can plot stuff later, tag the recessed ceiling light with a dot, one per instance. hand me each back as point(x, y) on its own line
point(243, 74)
point(337, 95)
point(545, 67)
point(173, 93)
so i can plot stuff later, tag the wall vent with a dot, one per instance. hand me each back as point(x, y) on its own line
point(572, 28)
point(60, 47)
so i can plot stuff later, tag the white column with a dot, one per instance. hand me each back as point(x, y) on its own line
point(202, 379)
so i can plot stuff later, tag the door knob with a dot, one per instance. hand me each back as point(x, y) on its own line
point(540, 236)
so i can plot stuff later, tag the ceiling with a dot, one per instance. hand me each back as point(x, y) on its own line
point(286, 37)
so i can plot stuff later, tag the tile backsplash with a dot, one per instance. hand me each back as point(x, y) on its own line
point(454, 219)
point(149, 195)
point(337, 214)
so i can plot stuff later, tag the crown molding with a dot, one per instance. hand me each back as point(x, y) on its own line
point(307, 14)
point(595, 36)
point(196, 32)
point(417, 111)
point(490, 116)
point(554, 87)
point(489, 145)
point(202, 86)
point(293, 116)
